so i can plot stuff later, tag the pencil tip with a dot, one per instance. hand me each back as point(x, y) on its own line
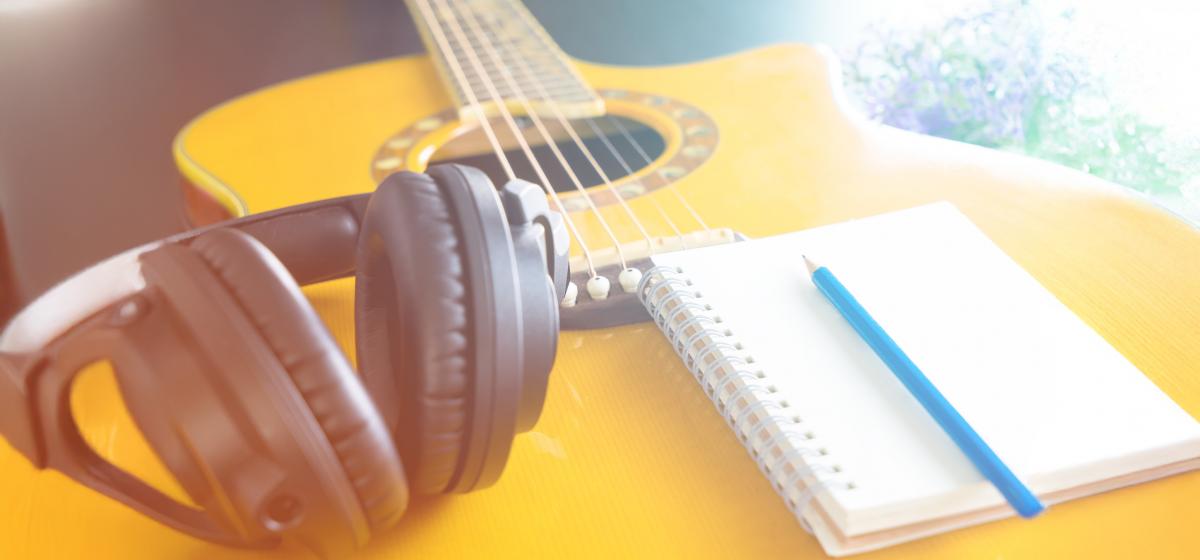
point(812, 266)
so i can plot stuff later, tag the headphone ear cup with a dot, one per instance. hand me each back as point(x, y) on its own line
point(276, 307)
point(412, 326)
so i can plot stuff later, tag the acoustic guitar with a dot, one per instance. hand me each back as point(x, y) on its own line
point(629, 458)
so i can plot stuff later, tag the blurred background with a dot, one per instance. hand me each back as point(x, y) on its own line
point(92, 93)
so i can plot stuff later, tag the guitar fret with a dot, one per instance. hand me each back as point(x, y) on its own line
point(553, 86)
point(514, 36)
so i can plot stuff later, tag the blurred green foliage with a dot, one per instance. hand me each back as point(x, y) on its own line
point(996, 77)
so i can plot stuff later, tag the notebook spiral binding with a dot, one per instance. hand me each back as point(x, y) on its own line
point(797, 468)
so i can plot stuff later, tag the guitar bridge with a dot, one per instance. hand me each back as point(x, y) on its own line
point(621, 307)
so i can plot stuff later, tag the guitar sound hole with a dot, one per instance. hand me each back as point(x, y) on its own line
point(472, 149)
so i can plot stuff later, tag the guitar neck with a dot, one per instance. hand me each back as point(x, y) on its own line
point(517, 57)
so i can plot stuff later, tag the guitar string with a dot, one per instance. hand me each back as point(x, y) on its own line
point(670, 185)
point(439, 35)
point(482, 37)
point(517, 92)
point(591, 122)
point(467, 90)
point(565, 124)
point(629, 172)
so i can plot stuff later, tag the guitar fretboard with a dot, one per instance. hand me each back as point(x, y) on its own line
point(531, 66)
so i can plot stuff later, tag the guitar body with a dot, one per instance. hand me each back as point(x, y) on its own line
point(630, 458)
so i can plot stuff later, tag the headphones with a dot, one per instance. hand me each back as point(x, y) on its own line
point(241, 391)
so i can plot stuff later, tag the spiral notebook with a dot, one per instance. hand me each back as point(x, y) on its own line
point(853, 455)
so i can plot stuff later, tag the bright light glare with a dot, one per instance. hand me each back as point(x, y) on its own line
point(26, 6)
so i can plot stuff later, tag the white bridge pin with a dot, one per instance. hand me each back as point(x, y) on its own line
point(598, 287)
point(629, 279)
point(572, 294)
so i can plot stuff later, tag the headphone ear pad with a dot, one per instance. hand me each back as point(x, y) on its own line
point(295, 334)
point(412, 326)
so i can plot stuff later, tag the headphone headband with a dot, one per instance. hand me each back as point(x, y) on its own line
point(314, 241)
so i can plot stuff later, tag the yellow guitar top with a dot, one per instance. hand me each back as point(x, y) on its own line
point(630, 459)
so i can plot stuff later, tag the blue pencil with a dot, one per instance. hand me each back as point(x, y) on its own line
point(1017, 494)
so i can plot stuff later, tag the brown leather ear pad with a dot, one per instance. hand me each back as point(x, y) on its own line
point(412, 325)
point(275, 304)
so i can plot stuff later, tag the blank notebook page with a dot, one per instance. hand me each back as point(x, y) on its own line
point(1055, 401)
